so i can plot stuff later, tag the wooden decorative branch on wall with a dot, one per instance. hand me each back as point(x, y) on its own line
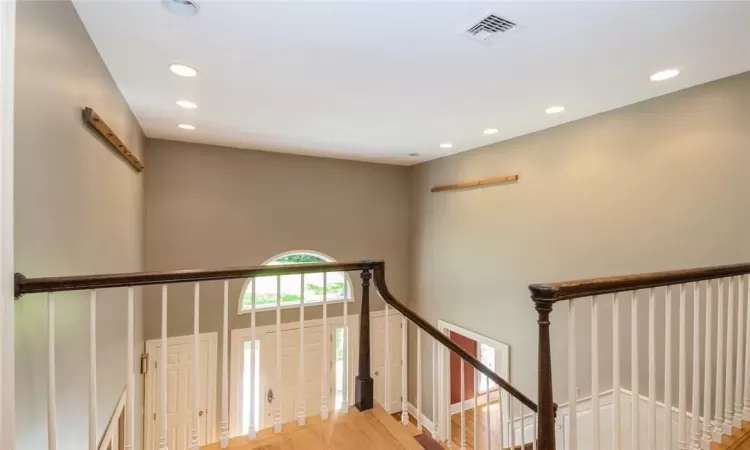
point(96, 123)
point(475, 183)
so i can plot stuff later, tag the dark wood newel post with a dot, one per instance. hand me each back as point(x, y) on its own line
point(546, 403)
point(363, 393)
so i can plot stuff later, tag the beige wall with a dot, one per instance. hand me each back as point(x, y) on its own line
point(212, 207)
point(658, 185)
point(78, 210)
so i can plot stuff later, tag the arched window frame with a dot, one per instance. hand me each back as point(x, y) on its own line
point(312, 297)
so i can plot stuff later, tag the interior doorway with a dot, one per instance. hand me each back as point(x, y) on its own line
point(494, 354)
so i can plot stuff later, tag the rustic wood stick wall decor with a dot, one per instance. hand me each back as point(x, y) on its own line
point(475, 183)
point(96, 123)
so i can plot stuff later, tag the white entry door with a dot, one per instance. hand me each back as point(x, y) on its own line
point(180, 390)
point(286, 394)
point(377, 359)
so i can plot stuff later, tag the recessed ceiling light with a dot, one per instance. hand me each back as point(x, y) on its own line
point(185, 126)
point(184, 8)
point(182, 70)
point(446, 145)
point(664, 75)
point(186, 104)
point(490, 131)
point(554, 109)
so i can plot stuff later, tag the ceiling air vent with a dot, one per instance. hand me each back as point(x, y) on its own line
point(489, 28)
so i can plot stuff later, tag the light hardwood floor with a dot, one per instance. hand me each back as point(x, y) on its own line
point(370, 430)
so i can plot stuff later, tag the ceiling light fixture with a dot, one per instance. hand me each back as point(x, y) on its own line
point(664, 75)
point(490, 131)
point(184, 8)
point(185, 126)
point(446, 145)
point(183, 70)
point(554, 109)
point(186, 104)
point(413, 154)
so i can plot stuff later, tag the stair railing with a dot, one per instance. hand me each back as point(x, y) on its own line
point(364, 395)
point(667, 295)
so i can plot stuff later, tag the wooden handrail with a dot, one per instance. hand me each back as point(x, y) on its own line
point(385, 294)
point(78, 283)
point(554, 292)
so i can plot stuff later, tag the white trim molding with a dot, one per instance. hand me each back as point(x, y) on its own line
point(7, 269)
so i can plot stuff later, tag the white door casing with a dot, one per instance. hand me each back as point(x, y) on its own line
point(7, 295)
point(180, 391)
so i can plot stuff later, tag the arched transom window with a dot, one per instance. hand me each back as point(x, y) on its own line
point(337, 287)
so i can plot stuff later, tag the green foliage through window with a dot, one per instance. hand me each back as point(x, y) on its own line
point(266, 289)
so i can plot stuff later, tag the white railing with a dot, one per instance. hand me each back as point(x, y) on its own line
point(518, 428)
point(712, 369)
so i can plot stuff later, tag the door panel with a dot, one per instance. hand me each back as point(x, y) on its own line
point(180, 394)
point(286, 396)
point(377, 361)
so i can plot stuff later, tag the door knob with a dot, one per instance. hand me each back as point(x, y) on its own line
point(377, 374)
point(270, 396)
point(200, 413)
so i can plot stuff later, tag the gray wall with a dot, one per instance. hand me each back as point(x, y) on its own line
point(654, 186)
point(78, 210)
point(212, 207)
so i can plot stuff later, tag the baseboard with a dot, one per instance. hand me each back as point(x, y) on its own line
point(426, 423)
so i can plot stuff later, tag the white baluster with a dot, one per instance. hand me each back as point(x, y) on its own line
point(696, 407)
point(476, 406)
point(51, 374)
point(488, 423)
point(719, 415)
point(163, 372)
point(501, 428)
point(536, 419)
point(419, 379)
point(278, 394)
point(345, 391)
point(130, 404)
point(635, 412)
point(746, 402)
point(651, 371)
point(463, 409)
point(523, 425)
point(301, 413)
point(616, 372)
point(387, 362)
point(324, 384)
point(404, 380)
point(595, 403)
point(668, 363)
point(434, 380)
point(572, 382)
point(92, 372)
point(251, 428)
point(512, 423)
point(739, 363)
point(225, 371)
point(195, 434)
point(707, 438)
point(728, 410)
point(682, 387)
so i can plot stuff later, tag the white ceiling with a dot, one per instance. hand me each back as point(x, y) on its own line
point(378, 80)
